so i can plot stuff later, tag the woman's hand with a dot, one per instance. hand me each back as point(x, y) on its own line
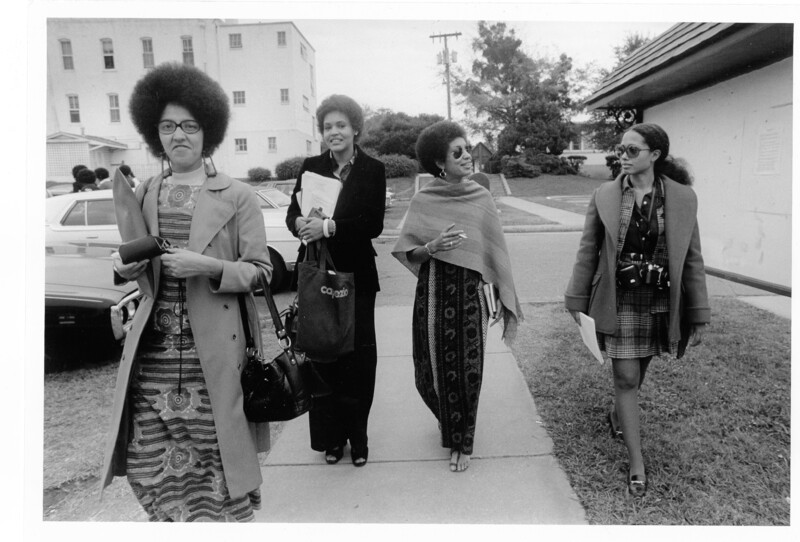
point(182, 263)
point(311, 230)
point(130, 271)
point(576, 315)
point(696, 335)
point(449, 239)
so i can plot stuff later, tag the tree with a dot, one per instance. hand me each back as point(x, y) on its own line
point(605, 131)
point(388, 132)
point(524, 100)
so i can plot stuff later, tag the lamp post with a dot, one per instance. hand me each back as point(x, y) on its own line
point(444, 57)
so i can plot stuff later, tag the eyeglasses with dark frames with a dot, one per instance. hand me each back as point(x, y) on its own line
point(169, 126)
point(459, 151)
point(631, 150)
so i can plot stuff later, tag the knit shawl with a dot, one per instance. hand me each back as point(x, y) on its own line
point(471, 208)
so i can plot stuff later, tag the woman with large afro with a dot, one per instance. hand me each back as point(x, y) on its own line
point(178, 430)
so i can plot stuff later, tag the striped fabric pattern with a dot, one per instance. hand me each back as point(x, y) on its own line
point(174, 463)
point(449, 334)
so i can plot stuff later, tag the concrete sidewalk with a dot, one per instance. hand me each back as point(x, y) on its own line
point(513, 477)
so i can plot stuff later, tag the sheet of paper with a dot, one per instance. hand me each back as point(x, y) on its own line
point(319, 191)
point(590, 337)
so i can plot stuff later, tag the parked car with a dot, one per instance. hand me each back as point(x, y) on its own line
point(85, 312)
point(287, 187)
point(54, 188)
point(283, 245)
point(89, 218)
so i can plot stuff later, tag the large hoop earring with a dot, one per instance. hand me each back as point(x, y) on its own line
point(211, 171)
point(165, 171)
point(442, 174)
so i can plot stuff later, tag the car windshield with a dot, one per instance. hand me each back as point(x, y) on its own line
point(272, 197)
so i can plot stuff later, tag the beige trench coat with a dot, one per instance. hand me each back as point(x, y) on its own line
point(592, 288)
point(227, 225)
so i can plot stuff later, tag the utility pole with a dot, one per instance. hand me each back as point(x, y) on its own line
point(445, 58)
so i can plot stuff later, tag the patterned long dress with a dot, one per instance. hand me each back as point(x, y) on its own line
point(449, 335)
point(174, 463)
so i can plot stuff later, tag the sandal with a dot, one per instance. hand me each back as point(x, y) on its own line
point(454, 455)
point(359, 456)
point(637, 485)
point(333, 455)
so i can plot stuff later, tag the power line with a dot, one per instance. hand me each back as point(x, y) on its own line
point(446, 59)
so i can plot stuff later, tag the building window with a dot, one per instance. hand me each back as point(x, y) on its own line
point(272, 144)
point(113, 107)
point(284, 95)
point(308, 147)
point(281, 39)
point(147, 53)
point(235, 41)
point(238, 97)
point(241, 144)
point(188, 50)
point(313, 86)
point(108, 53)
point(74, 108)
point(303, 52)
point(66, 54)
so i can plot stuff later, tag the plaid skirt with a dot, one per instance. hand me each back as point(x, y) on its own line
point(641, 331)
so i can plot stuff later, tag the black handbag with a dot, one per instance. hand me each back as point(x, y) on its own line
point(276, 390)
point(143, 248)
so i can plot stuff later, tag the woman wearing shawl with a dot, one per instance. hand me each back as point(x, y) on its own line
point(453, 242)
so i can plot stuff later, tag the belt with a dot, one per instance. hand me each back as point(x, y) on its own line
point(632, 256)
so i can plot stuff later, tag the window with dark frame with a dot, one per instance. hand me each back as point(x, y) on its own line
point(235, 41)
point(74, 108)
point(238, 97)
point(66, 54)
point(148, 59)
point(281, 39)
point(108, 53)
point(284, 95)
point(188, 50)
point(241, 144)
point(272, 144)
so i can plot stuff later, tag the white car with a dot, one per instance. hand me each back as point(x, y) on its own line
point(88, 218)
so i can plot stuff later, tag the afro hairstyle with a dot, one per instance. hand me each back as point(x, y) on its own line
point(433, 143)
point(188, 87)
point(343, 104)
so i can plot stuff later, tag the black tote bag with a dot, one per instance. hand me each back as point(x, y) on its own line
point(325, 306)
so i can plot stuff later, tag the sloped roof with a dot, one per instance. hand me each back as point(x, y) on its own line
point(689, 56)
point(94, 141)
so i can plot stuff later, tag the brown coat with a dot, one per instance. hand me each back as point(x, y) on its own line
point(592, 288)
point(227, 224)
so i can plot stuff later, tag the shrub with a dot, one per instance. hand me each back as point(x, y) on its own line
point(576, 161)
point(493, 165)
point(516, 167)
point(551, 164)
point(612, 162)
point(258, 175)
point(289, 168)
point(398, 165)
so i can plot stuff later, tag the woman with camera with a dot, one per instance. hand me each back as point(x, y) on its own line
point(639, 274)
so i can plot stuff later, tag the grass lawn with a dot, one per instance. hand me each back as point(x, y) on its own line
point(715, 424)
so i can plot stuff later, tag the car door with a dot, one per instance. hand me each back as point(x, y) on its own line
point(86, 222)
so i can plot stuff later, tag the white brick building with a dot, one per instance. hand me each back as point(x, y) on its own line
point(267, 70)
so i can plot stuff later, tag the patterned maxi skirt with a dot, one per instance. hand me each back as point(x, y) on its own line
point(449, 334)
point(174, 463)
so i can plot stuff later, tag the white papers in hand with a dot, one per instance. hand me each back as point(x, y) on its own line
point(589, 336)
point(319, 191)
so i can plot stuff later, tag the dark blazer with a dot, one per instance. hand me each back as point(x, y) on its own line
point(592, 288)
point(358, 216)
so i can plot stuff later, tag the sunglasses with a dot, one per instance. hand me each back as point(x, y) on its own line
point(169, 126)
point(631, 150)
point(459, 151)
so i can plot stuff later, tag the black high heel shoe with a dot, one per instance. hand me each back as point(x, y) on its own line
point(637, 485)
point(333, 455)
point(359, 456)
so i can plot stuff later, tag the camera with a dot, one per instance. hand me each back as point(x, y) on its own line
point(631, 275)
point(628, 276)
point(655, 275)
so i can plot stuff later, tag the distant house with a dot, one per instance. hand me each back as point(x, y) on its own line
point(481, 154)
point(723, 93)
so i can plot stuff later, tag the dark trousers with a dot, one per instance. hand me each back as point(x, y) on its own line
point(342, 415)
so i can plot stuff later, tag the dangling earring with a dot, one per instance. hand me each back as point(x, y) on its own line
point(212, 170)
point(442, 174)
point(165, 172)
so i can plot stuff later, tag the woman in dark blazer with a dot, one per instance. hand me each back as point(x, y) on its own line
point(647, 216)
point(357, 219)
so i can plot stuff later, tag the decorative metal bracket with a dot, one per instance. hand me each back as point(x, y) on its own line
point(625, 117)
